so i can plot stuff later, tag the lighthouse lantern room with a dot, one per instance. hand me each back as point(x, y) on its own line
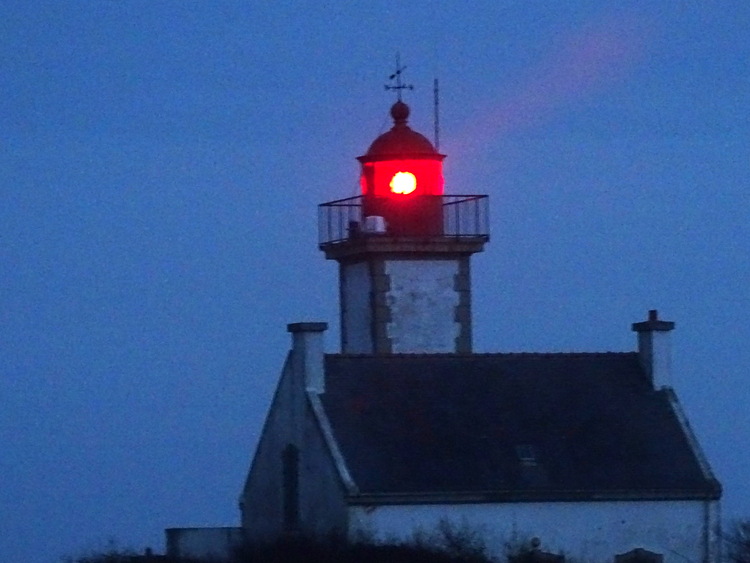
point(403, 249)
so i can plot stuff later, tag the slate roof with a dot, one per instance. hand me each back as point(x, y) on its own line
point(444, 424)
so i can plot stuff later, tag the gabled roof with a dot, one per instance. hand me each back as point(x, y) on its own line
point(509, 426)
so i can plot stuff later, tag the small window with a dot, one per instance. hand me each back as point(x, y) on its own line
point(526, 454)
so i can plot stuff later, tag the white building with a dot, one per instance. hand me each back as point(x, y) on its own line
point(407, 428)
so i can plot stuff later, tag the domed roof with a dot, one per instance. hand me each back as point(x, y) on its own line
point(401, 141)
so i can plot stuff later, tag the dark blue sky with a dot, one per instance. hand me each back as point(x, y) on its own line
point(160, 167)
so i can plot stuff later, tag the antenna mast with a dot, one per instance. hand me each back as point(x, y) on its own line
point(436, 93)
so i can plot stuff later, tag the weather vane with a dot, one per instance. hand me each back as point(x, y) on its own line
point(399, 86)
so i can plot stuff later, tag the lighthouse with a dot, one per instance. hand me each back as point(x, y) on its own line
point(407, 432)
point(404, 249)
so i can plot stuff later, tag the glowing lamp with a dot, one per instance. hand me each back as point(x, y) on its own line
point(403, 183)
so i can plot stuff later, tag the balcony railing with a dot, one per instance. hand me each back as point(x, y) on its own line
point(454, 216)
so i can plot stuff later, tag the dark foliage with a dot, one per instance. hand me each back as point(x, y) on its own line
point(302, 550)
point(128, 556)
point(296, 550)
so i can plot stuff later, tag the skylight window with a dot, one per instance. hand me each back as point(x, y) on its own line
point(527, 454)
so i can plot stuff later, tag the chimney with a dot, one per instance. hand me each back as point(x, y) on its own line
point(654, 350)
point(307, 346)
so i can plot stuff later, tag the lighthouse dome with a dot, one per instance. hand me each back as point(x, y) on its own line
point(401, 141)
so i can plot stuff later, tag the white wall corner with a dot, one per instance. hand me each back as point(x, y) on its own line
point(654, 349)
point(307, 348)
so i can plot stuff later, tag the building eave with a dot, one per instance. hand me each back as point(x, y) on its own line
point(390, 245)
point(496, 497)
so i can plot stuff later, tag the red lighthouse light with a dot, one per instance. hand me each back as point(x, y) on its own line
point(402, 179)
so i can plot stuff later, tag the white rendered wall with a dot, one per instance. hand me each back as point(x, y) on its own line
point(655, 352)
point(356, 314)
point(422, 300)
point(291, 420)
point(584, 532)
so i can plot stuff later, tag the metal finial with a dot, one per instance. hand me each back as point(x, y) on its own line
point(399, 86)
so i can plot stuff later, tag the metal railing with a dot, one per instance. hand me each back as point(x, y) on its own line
point(447, 216)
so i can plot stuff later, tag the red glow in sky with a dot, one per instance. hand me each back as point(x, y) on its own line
point(598, 54)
